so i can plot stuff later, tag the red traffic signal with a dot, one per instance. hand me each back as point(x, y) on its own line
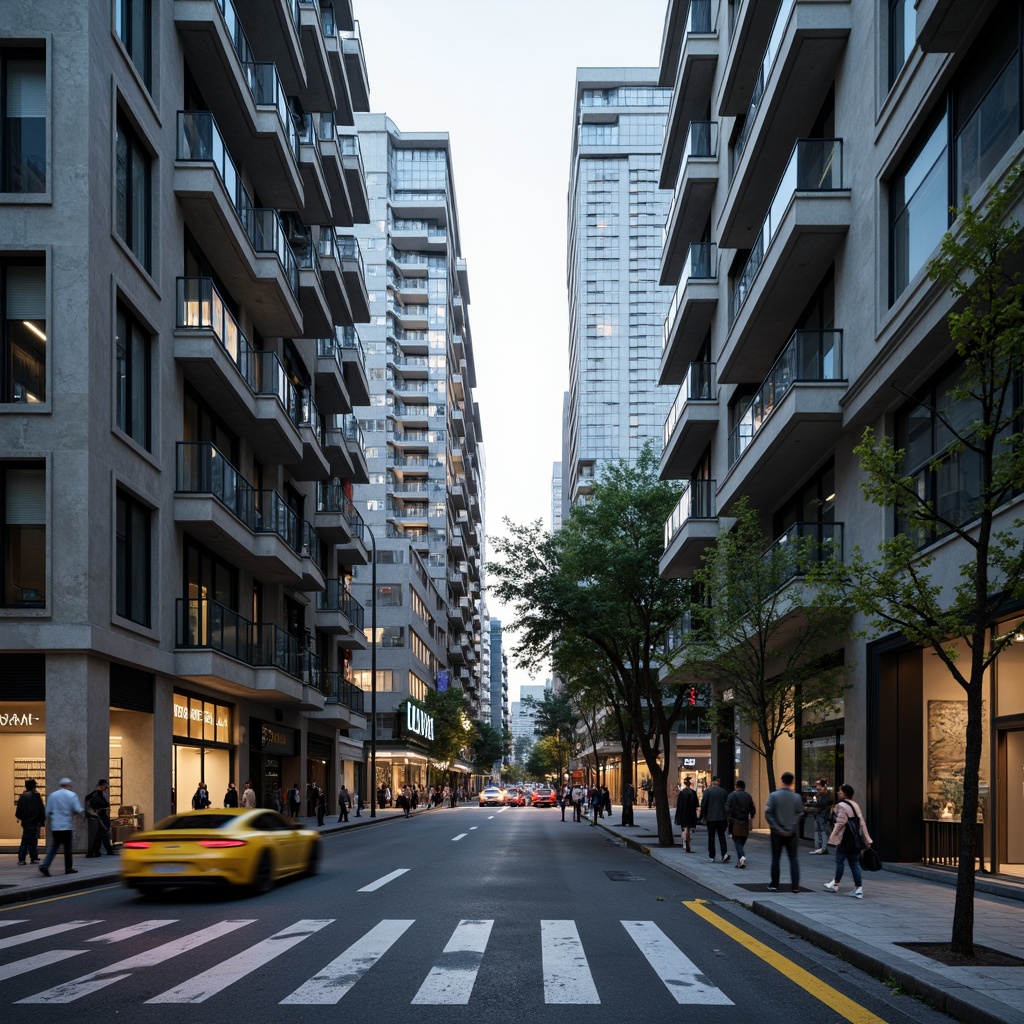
point(693, 695)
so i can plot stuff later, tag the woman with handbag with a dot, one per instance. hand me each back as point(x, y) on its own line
point(849, 837)
point(739, 808)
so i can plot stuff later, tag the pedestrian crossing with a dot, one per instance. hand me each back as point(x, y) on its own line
point(566, 976)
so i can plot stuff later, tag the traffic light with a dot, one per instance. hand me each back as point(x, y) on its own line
point(693, 695)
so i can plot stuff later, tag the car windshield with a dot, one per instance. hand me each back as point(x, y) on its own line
point(191, 821)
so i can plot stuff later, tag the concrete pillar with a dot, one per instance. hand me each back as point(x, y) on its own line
point(672, 766)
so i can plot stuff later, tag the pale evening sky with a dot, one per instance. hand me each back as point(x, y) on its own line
point(498, 76)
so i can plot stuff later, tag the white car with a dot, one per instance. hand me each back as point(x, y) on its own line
point(492, 796)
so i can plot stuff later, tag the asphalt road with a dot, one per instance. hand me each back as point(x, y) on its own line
point(495, 916)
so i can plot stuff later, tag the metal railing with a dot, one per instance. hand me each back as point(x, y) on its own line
point(701, 265)
point(338, 598)
point(698, 386)
point(805, 545)
point(696, 502)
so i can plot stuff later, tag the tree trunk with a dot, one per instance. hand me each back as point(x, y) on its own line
point(962, 940)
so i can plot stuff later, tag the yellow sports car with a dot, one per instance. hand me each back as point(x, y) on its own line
point(252, 848)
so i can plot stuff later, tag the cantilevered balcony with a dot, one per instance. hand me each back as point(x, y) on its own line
point(804, 50)
point(793, 421)
point(694, 79)
point(317, 318)
point(947, 25)
point(333, 23)
point(672, 35)
point(691, 422)
point(689, 315)
point(691, 528)
point(250, 390)
point(748, 37)
point(688, 213)
point(319, 93)
point(254, 530)
point(355, 68)
point(806, 223)
point(330, 378)
point(343, 445)
point(344, 702)
point(334, 171)
point(246, 96)
point(354, 275)
point(316, 207)
point(341, 615)
point(273, 29)
point(246, 244)
point(353, 358)
point(313, 464)
point(355, 177)
point(334, 513)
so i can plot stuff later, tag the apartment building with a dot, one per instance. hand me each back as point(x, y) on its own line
point(179, 287)
point(616, 306)
point(423, 500)
point(815, 148)
point(499, 710)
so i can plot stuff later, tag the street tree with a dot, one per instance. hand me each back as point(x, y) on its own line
point(542, 761)
point(963, 492)
point(454, 732)
point(761, 635)
point(489, 747)
point(595, 583)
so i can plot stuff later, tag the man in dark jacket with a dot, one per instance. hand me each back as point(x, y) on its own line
point(32, 815)
point(97, 813)
point(712, 811)
point(687, 807)
point(783, 812)
point(739, 806)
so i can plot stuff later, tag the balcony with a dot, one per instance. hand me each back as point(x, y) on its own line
point(254, 530)
point(341, 615)
point(355, 177)
point(316, 313)
point(246, 95)
point(793, 422)
point(690, 312)
point(806, 222)
point(250, 390)
point(692, 527)
point(333, 23)
point(694, 79)
point(343, 701)
point(330, 378)
point(246, 244)
point(947, 25)
point(748, 37)
point(353, 359)
point(805, 545)
point(805, 48)
point(334, 171)
point(334, 513)
point(316, 206)
point(273, 29)
point(343, 443)
point(319, 93)
point(354, 275)
point(355, 68)
point(691, 203)
point(691, 422)
point(313, 464)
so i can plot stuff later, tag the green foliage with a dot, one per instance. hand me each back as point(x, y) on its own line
point(454, 732)
point(489, 747)
point(542, 761)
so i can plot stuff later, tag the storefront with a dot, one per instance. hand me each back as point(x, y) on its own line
point(318, 761)
point(273, 761)
point(402, 756)
point(203, 749)
point(22, 756)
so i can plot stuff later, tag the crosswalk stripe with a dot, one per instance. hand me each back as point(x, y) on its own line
point(132, 930)
point(219, 977)
point(43, 933)
point(7, 924)
point(33, 963)
point(567, 977)
point(69, 991)
point(334, 980)
point(451, 979)
point(680, 975)
point(383, 880)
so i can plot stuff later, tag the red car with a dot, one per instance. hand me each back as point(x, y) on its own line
point(544, 796)
point(514, 798)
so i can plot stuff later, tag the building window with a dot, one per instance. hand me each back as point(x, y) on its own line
point(23, 501)
point(133, 560)
point(902, 35)
point(23, 114)
point(132, 24)
point(23, 312)
point(132, 378)
point(133, 175)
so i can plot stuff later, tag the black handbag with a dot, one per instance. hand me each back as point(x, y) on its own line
point(869, 859)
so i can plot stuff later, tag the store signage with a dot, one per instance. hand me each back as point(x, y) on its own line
point(276, 739)
point(689, 762)
point(418, 722)
point(21, 720)
point(442, 681)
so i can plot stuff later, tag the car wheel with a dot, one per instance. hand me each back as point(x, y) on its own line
point(313, 864)
point(263, 879)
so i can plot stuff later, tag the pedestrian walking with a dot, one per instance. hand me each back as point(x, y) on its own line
point(606, 801)
point(783, 812)
point(294, 801)
point(739, 806)
point(849, 837)
point(97, 814)
point(319, 804)
point(201, 798)
point(31, 813)
point(687, 808)
point(248, 796)
point(628, 796)
point(595, 800)
point(344, 803)
point(231, 796)
point(577, 803)
point(713, 814)
point(822, 816)
point(357, 803)
point(61, 809)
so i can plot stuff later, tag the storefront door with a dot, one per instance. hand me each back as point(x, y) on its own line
point(1011, 816)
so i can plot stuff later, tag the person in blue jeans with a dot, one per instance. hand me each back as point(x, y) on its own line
point(739, 806)
point(849, 828)
point(61, 809)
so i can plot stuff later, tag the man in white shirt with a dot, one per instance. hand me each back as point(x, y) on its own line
point(248, 797)
point(61, 809)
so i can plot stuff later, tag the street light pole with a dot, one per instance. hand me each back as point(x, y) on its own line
point(373, 672)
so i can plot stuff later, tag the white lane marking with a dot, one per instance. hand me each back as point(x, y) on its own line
point(69, 991)
point(451, 979)
point(7, 924)
point(681, 975)
point(489, 817)
point(473, 828)
point(132, 930)
point(567, 977)
point(461, 835)
point(374, 886)
point(333, 981)
point(218, 977)
point(42, 933)
point(33, 963)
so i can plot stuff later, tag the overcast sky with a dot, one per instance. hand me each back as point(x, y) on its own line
point(498, 76)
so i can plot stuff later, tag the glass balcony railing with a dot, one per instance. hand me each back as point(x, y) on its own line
point(698, 386)
point(348, 338)
point(808, 356)
point(696, 502)
point(337, 598)
point(988, 132)
point(815, 166)
point(348, 424)
point(328, 21)
point(309, 416)
point(207, 624)
point(349, 145)
point(700, 20)
point(348, 249)
point(701, 265)
point(313, 546)
point(805, 545)
point(274, 647)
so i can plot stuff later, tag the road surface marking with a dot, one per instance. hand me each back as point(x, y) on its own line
point(461, 835)
point(132, 930)
point(220, 976)
point(451, 979)
point(7, 924)
point(473, 828)
point(489, 817)
point(835, 1001)
point(69, 991)
point(42, 933)
point(374, 886)
point(33, 963)
point(66, 896)
point(333, 981)
point(567, 977)
point(680, 975)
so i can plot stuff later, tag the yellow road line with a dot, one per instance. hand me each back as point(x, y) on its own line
point(53, 899)
point(834, 1000)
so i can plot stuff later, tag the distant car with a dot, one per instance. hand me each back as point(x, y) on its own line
point(492, 796)
point(543, 796)
point(226, 846)
point(515, 798)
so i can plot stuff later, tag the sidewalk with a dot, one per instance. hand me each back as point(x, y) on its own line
point(898, 906)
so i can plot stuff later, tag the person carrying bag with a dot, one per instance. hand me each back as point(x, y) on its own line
point(850, 837)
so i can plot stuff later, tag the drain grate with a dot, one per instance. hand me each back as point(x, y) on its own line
point(623, 876)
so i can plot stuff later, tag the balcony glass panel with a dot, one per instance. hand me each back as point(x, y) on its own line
point(207, 624)
point(696, 502)
point(806, 545)
point(808, 356)
point(698, 386)
point(701, 265)
point(338, 598)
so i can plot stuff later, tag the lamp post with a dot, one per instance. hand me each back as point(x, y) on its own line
point(373, 671)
